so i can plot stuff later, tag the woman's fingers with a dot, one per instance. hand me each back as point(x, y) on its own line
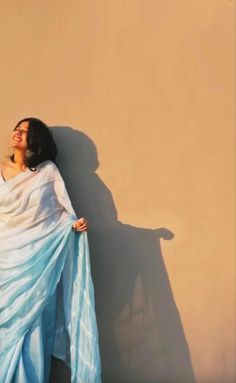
point(79, 228)
point(80, 225)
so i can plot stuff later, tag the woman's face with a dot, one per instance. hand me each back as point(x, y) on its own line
point(19, 136)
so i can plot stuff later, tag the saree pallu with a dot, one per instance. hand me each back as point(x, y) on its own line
point(46, 291)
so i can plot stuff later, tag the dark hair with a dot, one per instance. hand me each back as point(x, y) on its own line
point(40, 142)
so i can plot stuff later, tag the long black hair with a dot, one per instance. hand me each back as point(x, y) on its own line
point(40, 143)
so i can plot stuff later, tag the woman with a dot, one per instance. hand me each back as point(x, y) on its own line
point(46, 292)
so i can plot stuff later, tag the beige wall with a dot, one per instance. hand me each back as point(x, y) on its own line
point(151, 85)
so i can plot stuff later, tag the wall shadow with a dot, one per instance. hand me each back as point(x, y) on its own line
point(141, 335)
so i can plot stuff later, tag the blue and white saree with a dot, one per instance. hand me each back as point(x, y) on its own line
point(46, 291)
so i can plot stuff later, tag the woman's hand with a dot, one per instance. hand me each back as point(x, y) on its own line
point(80, 225)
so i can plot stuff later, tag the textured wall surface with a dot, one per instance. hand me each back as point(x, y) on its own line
point(141, 95)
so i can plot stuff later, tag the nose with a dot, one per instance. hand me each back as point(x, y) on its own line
point(19, 133)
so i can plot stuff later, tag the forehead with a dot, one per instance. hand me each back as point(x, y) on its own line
point(23, 125)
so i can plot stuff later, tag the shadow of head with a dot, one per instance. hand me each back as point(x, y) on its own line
point(76, 150)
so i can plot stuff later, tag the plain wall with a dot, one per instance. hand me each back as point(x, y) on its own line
point(141, 95)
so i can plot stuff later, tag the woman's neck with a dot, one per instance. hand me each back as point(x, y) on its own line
point(19, 159)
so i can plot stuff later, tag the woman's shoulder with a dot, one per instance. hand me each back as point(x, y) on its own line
point(49, 167)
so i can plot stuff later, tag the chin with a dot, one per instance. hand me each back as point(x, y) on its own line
point(14, 145)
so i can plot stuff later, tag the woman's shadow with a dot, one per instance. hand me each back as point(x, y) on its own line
point(140, 330)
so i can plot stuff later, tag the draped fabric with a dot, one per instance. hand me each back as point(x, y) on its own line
point(46, 291)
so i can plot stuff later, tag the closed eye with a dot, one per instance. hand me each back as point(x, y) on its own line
point(20, 130)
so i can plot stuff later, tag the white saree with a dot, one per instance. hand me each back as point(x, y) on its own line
point(46, 291)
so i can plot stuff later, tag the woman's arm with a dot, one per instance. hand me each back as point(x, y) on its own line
point(80, 224)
